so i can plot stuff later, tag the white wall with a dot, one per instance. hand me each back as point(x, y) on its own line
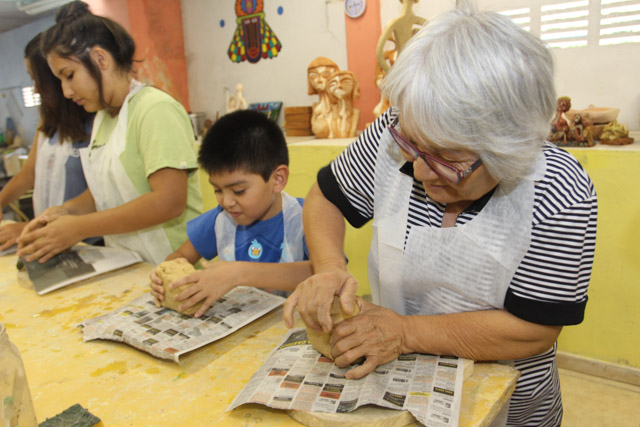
point(307, 29)
point(13, 76)
point(604, 76)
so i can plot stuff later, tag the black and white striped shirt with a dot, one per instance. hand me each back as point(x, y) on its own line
point(550, 284)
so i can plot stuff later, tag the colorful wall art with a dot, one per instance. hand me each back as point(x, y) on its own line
point(253, 38)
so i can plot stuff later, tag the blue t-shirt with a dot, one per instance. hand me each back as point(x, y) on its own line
point(260, 241)
point(75, 183)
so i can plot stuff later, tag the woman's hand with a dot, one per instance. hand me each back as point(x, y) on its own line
point(314, 297)
point(40, 221)
point(48, 235)
point(215, 280)
point(9, 234)
point(376, 333)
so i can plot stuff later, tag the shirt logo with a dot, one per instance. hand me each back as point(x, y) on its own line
point(255, 250)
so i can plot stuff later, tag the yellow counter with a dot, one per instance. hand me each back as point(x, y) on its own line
point(126, 387)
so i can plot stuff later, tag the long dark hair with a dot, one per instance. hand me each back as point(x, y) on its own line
point(56, 112)
point(77, 30)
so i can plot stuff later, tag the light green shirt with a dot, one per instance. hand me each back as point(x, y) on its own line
point(159, 135)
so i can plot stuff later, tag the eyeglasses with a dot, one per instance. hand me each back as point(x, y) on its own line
point(442, 168)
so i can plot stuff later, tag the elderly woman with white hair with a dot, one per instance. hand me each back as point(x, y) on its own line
point(483, 233)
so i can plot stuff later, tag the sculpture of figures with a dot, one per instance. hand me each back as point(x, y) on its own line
point(573, 132)
point(343, 89)
point(581, 131)
point(318, 73)
point(383, 105)
point(398, 31)
point(615, 134)
point(560, 128)
point(237, 101)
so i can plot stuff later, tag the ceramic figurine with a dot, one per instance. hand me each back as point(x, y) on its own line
point(615, 134)
point(318, 73)
point(343, 89)
point(398, 31)
point(581, 131)
point(560, 122)
point(574, 131)
point(383, 105)
point(237, 101)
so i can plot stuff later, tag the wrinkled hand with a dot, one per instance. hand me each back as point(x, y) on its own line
point(47, 236)
point(376, 333)
point(9, 234)
point(215, 280)
point(314, 297)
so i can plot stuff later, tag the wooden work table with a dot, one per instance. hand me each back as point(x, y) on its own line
point(124, 386)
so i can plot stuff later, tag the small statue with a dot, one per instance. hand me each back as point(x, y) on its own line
point(383, 105)
point(398, 31)
point(581, 131)
point(560, 123)
point(237, 101)
point(615, 134)
point(318, 73)
point(577, 131)
point(343, 89)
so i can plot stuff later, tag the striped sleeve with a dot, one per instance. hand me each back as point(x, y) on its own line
point(550, 284)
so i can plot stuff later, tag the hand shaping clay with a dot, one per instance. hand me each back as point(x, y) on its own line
point(169, 272)
point(320, 340)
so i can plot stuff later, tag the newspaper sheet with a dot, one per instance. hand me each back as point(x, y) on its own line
point(167, 334)
point(295, 376)
point(78, 263)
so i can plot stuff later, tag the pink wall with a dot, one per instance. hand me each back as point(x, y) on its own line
point(156, 27)
point(362, 38)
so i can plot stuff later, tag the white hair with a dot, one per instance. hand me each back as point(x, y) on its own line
point(474, 80)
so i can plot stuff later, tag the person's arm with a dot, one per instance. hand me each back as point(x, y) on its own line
point(166, 200)
point(219, 277)
point(381, 335)
point(324, 229)
point(23, 181)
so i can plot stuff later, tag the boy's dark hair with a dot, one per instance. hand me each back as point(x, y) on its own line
point(244, 140)
point(56, 112)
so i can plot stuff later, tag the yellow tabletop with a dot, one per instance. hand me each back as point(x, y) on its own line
point(127, 387)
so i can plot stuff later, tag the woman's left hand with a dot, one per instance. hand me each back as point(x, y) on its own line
point(9, 234)
point(376, 333)
point(56, 236)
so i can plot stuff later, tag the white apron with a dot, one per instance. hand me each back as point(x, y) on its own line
point(50, 173)
point(111, 186)
point(293, 247)
point(446, 270)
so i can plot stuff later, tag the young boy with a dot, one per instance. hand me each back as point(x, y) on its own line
point(256, 229)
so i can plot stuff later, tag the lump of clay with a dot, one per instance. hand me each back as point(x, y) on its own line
point(320, 340)
point(169, 272)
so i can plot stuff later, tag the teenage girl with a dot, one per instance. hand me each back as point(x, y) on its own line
point(141, 161)
point(53, 169)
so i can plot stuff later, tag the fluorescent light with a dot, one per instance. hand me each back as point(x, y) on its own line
point(29, 97)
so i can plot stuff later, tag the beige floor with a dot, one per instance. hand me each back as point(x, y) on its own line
point(593, 401)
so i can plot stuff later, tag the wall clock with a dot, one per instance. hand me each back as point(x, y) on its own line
point(354, 8)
